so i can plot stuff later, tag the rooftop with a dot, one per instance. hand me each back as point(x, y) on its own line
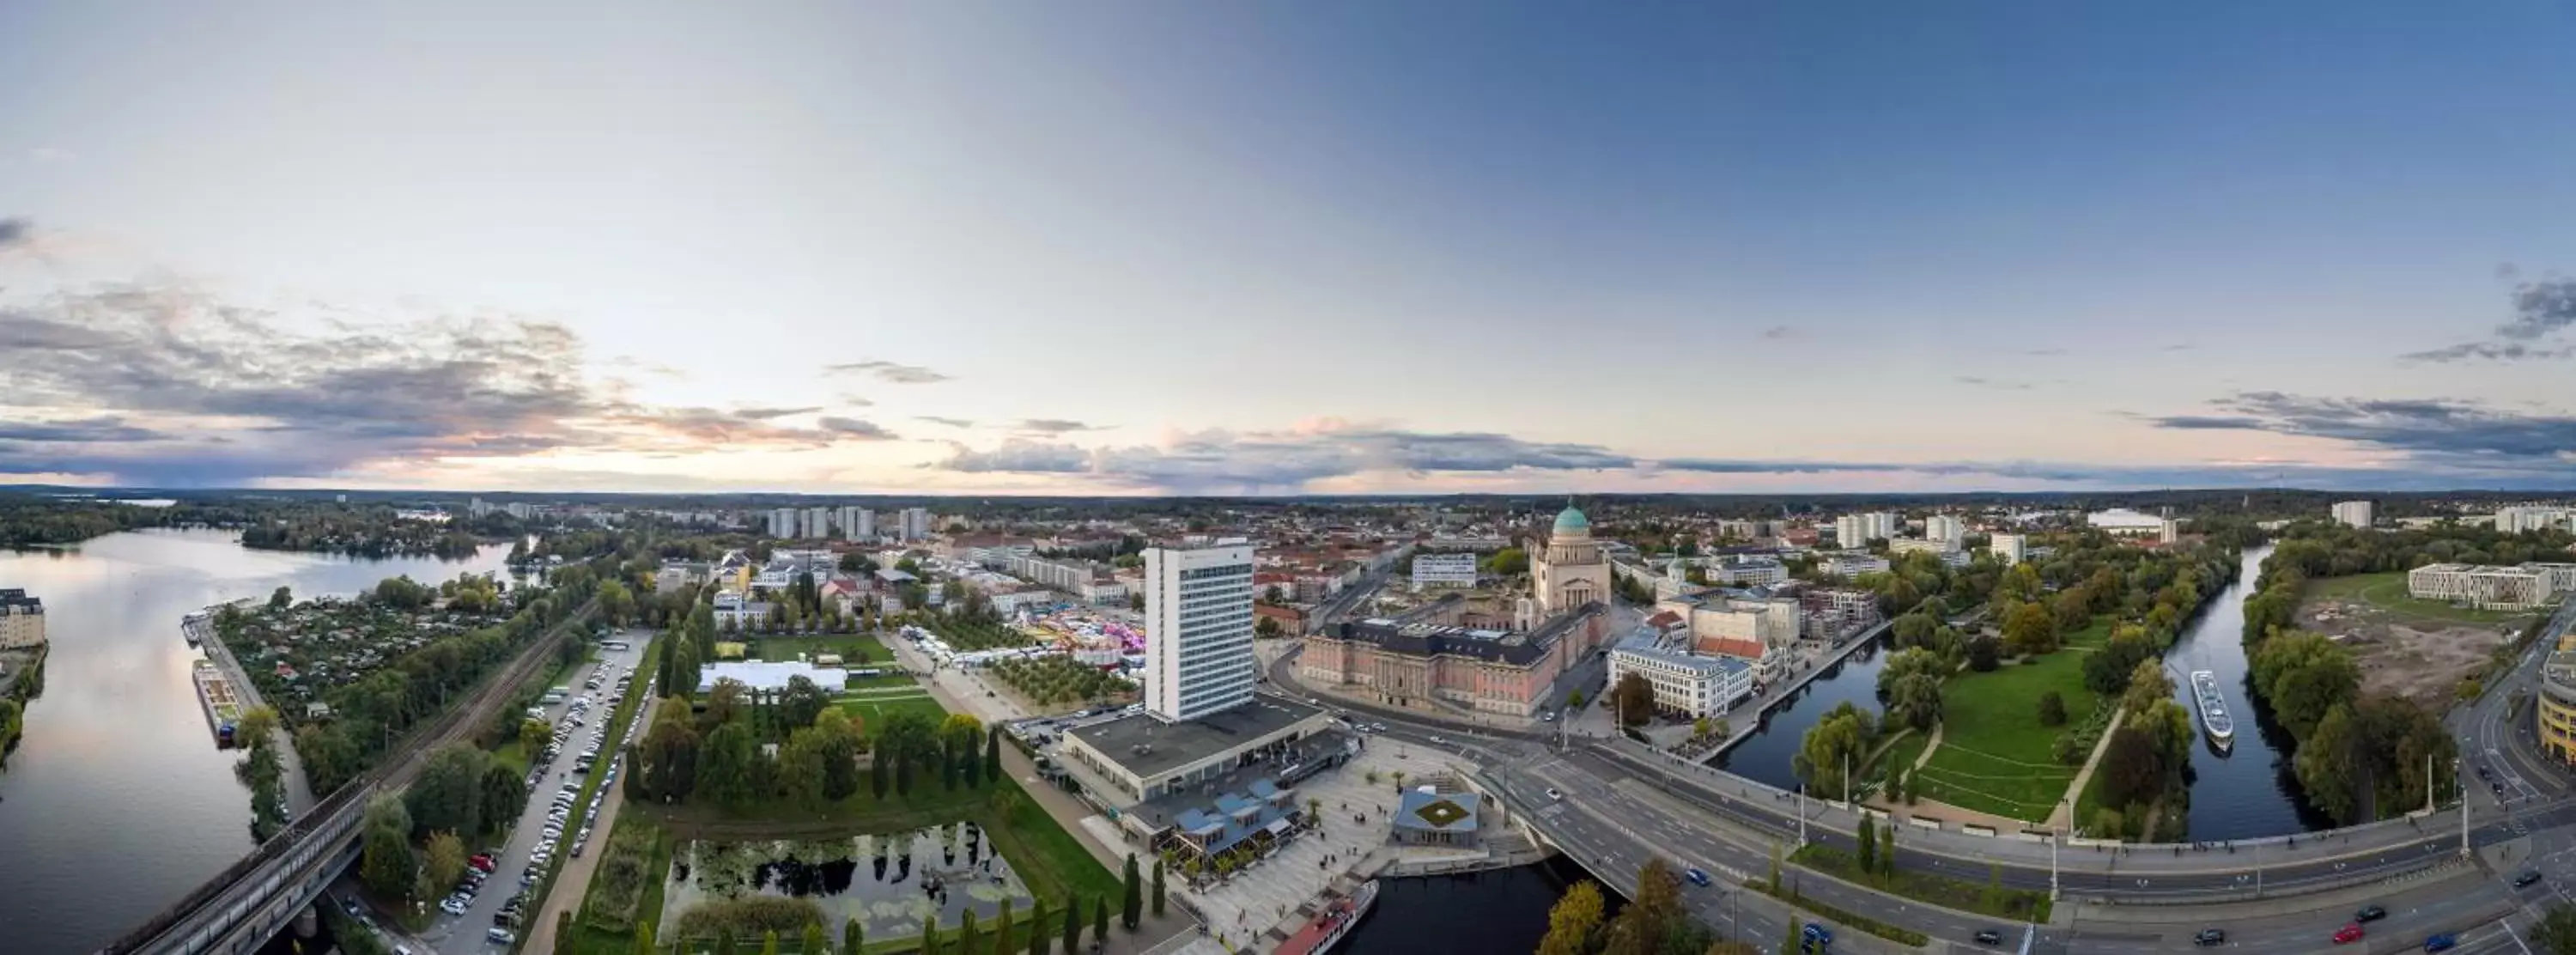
point(1149, 747)
point(1645, 642)
point(1427, 640)
point(1437, 812)
point(18, 599)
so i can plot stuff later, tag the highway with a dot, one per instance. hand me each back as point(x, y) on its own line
point(1618, 808)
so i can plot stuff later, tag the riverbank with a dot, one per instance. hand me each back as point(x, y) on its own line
point(22, 679)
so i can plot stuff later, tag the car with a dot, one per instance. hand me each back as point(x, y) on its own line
point(1437, 741)
point(2441, 943)
point(451, 906)
point(349, 905)
point(1553, 794)
point(501, 937)
point(1696, 877)
point(2349, 933)
point(2483, 773)
point(2370, 913)
point(2497, 787)
point(1377, 727)
point(1987, 936)
point(480, 863)
point(1816, 933)
point(2209, 937)
point(1547, 717)
point(2527, 877)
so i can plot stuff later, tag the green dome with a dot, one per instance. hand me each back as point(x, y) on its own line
point(1572, 520)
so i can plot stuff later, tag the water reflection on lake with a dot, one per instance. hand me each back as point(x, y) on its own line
point(890, 883)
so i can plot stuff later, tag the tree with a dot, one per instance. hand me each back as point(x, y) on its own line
point(1634, 698)
point(644, 939)
point(2030, 629)
point(1868, 846)
point(813, 939)
point(993, 756)
point(1073, 925)
point(854, 936)
point(2148, 684)
point(1839, 739)
point(2133, 772)
point(1984, 654)
point(504, 791)
point(726, 702)
point(1038, 937)
point(2303, 675)
point(564, 944)
point(877, 775)
point(444, 858)
point(1916, 700)
point(684, 672)
point(929, 937)
point(837, 742)
point(2329, 764)
point(2555, 933)
point(802, 702)
point(1131, 907)
point(449, 792)
point(533, 737)
point(2052, 709)
point(1573, 921)
point(724, 765)
point(1649, 923)
point(1887, 849)
point(255, 725)
point(1158, 887)
point(387, 865)
point(969, 937)
point(281, 598)
point(799, 769)
point(1100, 921)
point(1002, 929)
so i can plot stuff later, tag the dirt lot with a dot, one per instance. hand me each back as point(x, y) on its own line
point(2419, 658)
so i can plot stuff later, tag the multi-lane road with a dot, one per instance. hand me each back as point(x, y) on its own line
point(1617, 806)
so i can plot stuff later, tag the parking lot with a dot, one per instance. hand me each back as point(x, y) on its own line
point(553, 822)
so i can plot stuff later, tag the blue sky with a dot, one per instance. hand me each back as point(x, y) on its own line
point(1136, 248)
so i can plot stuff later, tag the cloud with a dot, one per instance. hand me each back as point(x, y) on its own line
point(1779, 333)
point(236, 394)
point(2541, 309)
point(2453, 431)
point(2185, 346)
point(1991, 383)
point(51, 154)
point(1214, 461)
point(2044, 352)
point(88, 430)
point(1054, 426)
point(14, 231)
point(1018, 456)
point(890, 371)
point(855, 401)
point(854, 428)
point(951, 422)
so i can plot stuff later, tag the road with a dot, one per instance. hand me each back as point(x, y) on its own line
point(461, 935)
point(1616, 812)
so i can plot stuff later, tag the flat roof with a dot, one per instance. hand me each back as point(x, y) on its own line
point(1149, 747)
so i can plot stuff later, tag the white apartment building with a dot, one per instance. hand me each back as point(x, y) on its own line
point(782, 523)
point(1444, 570)
point(1747, 573)
point(1771, 621)
point(2007, 548)
point(22, 619)
point(2353, 514)
point(1684, 683)
point(858, 523)
point(1848, 566)
point(818, 523)
point(2504, 588)
point(1947, 529)
point(1856, 530)
point(2515, 520)
point(1198, 630)
point(916, 523)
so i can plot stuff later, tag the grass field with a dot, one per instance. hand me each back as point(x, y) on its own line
point(2387, 593)
point(852, 647)
point(2095, 634)
point(870, 707)
point(1995, 756)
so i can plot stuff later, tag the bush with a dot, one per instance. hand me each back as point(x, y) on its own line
point(625, 870)
point(747, 917)
point(2052, 709)
point(2067, 749)
point(1984, 653)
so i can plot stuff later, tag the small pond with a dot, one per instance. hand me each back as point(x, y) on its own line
point(890, 883)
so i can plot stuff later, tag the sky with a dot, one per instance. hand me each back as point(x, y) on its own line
point(1321, 247)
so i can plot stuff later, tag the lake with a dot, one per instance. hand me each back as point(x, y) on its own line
point(117, 802)
point(890, 883)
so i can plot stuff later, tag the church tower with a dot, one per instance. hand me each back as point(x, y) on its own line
point(1570, 571)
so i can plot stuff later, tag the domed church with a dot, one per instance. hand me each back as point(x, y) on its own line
point(1570, 571)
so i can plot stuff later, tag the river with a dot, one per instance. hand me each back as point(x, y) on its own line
point(2246, 793)
point(1503, 911)
point(117, 802)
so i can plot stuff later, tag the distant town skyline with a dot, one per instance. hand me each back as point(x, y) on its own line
point(1278, 249)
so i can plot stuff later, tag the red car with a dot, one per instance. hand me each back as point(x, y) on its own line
point(2348, 933)
point(483, 863)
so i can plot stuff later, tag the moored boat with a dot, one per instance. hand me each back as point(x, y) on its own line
point(1334, 923)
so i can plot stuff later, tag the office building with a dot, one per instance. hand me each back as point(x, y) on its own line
point(1198, 629)
point(1444, 570)
point(2502, 588)
point(2353, 514)
point(1686, 684)
point(22, 620)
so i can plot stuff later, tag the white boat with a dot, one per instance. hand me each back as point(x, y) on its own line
point(2212, 705)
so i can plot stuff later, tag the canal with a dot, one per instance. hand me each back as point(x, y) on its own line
point(117, 802)
point(2251, 791)
point(1504, 910)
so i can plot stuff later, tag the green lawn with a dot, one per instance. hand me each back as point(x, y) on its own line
point(2386, 593)
point(1995, 756)
point(871, 711)
point(1901, 752)
point(851, 646)
point(2095, 634)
